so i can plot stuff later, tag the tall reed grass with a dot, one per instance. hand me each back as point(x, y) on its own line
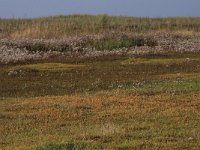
point(74, 25)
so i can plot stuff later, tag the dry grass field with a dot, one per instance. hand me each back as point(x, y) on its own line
point(161, 121)
point(116, 85)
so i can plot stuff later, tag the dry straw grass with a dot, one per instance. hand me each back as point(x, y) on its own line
point(129, 121)
point(65, 26)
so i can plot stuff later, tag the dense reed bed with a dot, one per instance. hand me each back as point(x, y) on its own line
point(65, 26)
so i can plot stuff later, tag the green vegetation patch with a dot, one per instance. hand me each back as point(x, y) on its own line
point(172, 86)
point(111, 43)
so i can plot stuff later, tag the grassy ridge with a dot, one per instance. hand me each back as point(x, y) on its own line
point(64, 26)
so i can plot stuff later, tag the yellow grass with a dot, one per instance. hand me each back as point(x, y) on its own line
point(156, 60)
point(49, 66)
point(161, 121)
point(65, 26)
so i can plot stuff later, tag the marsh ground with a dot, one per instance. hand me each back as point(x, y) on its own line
point(99, 82)
point(143, 102)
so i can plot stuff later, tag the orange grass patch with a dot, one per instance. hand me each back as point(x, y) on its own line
point(125, 121)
